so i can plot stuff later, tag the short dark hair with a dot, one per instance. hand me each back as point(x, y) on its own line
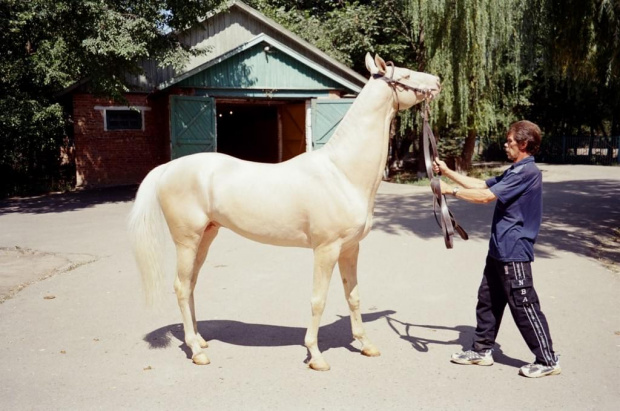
point(526, 131)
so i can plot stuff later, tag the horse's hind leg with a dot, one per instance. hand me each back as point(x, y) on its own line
point(347, 262)
point(192, 247)
point(325, 258)
point(201, 255)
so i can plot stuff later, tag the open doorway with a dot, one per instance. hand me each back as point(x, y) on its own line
point(248, 132)
point(266, 132)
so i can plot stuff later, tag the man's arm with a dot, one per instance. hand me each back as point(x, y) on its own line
point(465, 181)
point(473, 195)
point(475, 190)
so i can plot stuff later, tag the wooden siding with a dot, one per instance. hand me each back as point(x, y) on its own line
point(229, 29)
point(256, 69)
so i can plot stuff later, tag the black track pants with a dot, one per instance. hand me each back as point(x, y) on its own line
point(511, 283)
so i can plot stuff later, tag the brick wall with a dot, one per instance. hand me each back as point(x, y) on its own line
point(117, 157)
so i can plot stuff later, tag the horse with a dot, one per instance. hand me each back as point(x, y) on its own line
point(322, 199)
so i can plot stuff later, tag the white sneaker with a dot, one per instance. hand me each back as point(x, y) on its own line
point(540, 370)
point(473, 357)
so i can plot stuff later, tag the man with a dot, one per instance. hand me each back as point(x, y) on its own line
point(507, 277)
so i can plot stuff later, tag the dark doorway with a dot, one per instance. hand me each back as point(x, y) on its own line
point(248, 131)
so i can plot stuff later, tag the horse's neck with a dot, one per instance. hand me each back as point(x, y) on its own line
point(359, 146)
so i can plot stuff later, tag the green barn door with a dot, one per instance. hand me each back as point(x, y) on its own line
point(326, 116)
point(192, 125)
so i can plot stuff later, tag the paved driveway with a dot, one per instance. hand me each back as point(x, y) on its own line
point(77, 335)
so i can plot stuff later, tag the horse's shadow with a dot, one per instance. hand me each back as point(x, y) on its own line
point(334, 335)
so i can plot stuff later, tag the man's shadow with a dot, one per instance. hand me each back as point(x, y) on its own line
point(465, 337)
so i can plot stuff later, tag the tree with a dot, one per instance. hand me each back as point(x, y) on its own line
point(473, 46)
point(575, 56)
point(47, 45)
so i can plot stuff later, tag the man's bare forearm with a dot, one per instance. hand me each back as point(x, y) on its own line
point(475, 195)
point(465, 181)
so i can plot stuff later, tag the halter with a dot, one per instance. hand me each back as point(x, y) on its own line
point(447, 222)
point(393, 83)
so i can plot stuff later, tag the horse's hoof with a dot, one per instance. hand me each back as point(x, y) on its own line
point(203, 343)
point(201, 359)
point(371, 352)
point(319, 365)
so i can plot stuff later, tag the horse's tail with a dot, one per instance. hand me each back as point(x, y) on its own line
point(147, 231)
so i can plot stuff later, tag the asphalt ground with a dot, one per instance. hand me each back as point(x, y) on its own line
point(75, 334)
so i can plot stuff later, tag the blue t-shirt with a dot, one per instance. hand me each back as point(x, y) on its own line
point(518, 212)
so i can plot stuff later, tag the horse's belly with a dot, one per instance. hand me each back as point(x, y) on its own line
point(266, 229)
point(292, 223)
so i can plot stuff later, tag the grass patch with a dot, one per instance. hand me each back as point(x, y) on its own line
point(484, 173)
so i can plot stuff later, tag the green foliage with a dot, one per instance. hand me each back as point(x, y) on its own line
point(48, 45)
point(344, 30)
point(574, 56)
point(30, 141)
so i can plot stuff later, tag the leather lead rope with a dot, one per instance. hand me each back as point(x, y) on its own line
point(447, 222)
point(446, 219)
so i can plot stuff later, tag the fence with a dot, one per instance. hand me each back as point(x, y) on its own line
point(580, 150)
point(562, 150)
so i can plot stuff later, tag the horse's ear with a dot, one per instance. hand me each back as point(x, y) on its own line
point(370, 65)
point(382, 67)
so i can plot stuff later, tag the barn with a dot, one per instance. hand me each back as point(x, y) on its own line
point(261, 93)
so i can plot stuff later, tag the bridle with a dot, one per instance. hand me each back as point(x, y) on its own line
point(393, 83)
point(446, 220)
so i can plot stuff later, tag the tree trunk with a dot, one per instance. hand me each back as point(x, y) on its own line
point(421, 169)
point(464, 162)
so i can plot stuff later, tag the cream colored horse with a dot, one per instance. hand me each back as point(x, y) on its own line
point(322, 200)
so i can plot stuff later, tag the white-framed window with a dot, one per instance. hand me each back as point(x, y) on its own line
point(122, 117)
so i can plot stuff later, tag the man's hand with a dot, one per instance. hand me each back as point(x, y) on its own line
point(439, 166)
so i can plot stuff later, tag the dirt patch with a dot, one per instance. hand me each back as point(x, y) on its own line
point(608, 250)
point(20, 267)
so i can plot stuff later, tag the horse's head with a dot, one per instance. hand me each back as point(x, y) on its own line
point(410, 87)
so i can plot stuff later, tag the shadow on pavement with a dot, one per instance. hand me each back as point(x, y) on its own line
point(334, 335)
point(579, 217)
point(464, 339)
point(61, 202)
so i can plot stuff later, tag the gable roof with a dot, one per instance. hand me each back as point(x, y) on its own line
point(314, 77)
point(320, 55)
point(234, 29)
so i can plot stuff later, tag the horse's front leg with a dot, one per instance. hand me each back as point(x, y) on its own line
point(347, 262)
point(325, 258)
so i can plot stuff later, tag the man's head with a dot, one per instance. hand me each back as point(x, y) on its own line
point(523, 139)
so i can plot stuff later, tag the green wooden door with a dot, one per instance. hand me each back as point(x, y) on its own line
point(326, 116)
point(192, 125)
